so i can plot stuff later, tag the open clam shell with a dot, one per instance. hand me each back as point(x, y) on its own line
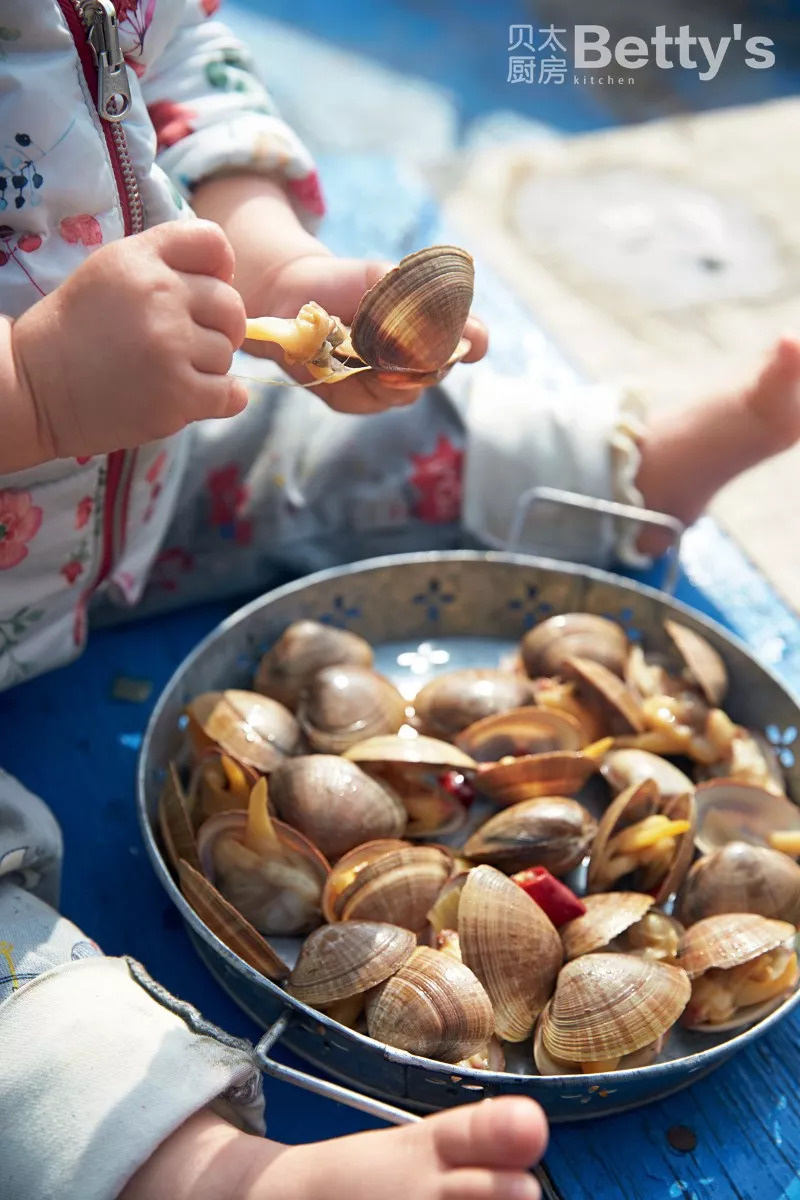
point(729, 940)
point(433, 1006)
point(218, 783)
point(452, 702)
point(304, 648)
point(549, 831)
point(730, 811)
point(704, 665)
point(741, 878)
point(343, 705)
point(607, 1006)
point(339, 961)
point(560, 773)
point(662, 861)
point(413, 319)
point(608, 914)
point(344, 875)
point(520, 731)
point(548, 648)
point(229, 925)
point(398, 887)
point(175, 823)
point(751, 760)
point(334, 803)
point(607, 695)
point(512, 947)
point(624, 768)
point(248, 727)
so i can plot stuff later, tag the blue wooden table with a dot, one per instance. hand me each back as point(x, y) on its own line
point(69, 741)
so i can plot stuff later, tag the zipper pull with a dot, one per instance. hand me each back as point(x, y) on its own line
point(113, 89)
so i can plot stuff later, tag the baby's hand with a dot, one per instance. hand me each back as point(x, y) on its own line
point(136, 344)
point(338, 284)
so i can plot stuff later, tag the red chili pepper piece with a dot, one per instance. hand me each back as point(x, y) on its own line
point(553, 897)
point(459, 786)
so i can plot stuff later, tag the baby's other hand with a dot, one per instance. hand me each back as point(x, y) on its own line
point(337, 284)
point(136, 344)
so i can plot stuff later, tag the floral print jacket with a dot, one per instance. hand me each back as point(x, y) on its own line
point(70, 180)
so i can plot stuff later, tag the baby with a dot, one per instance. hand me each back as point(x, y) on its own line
point(127, 447)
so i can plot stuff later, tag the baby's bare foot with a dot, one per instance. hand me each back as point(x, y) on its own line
point(478, 1152)
point(774, 398)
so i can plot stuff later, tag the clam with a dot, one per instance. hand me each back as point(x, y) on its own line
point(512, 947)
point(648, 674)
point(558, 773)
point(452, 702)
point(430, 777)
point(268, 871)
point(656, 936)
point(229, 925)
point(433, 1006)
point(252, 729)
point(548, 648)
point(610, 1012)
point(605, 693)
point(488, 1058)
point(334, 803)
point(704, 665)
point(750, 759)
point(218, 784)
point(409, 324)
point(741, 878)
point(343, 705)
point(549, 831)
point(730, 811)
point(443, 915)
point(683, 724)
point(398, 885)
point(558, 695)
point(608, 914)
point(741, 966)
point(302, 650)
point(520, 731)
point(175, 823)
point(624, 768)
point(646, 838)
point(340, 961)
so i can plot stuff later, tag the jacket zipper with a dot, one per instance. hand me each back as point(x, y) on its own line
point(94, 28)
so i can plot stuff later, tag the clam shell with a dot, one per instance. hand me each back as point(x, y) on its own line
point(334, 803)
point(512, 947)
point(548, 1065)
point(304, 648)
point(605, 692)
point(338, 961)
point(729, 811)
point(609, 1005)
point(444, 913)
point(344, 876)
point(728, 940)
point(399, 887)
point(248, 727)
point(175, 824)
point(413, 318)
point(559, 773)
point(607, 915)
point(393, 749)
point(433, 1006)
point(704, 664)
point(741, 878)
point(343, 705)
point(548, 647)
point(633, 805)
point(549, 831)
point(520, 731)
point(624, 768)
point(229, 925)
point(452, 702)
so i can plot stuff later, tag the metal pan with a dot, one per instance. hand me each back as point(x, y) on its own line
point(425, 613)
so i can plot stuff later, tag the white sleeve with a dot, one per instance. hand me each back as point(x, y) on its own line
point(521, 434)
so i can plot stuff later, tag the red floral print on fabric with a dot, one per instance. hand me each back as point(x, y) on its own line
point(169, 564)
point(83, 230)
point(156, 467)
point(437, 481)
point(171, 122)
point(12, 244)
point(20, 521)
point(228, 497)
point(83, 461)
point(83, 511)
point(308, 193)
point(124, 8)
point(210, 7)
point(72, 571)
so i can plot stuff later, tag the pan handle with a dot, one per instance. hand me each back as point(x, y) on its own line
point(607, 508)
point(343, 1095)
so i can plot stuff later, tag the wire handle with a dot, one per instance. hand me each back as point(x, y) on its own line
point(605, 508)
point(343, 1095)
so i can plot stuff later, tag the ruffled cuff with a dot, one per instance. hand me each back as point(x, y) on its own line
point(100, 1066)
point(626, 457)
point(256, 142)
